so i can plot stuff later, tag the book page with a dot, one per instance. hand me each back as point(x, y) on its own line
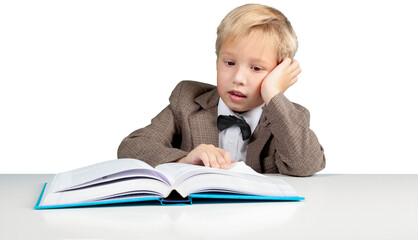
point(239, 179)
point(142, 187)
point(103, 172)
point(220, 183)
point(178, 172)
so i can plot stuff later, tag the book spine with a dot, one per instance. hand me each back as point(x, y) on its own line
point(167, 202)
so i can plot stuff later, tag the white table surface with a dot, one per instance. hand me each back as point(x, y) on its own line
point(336, 207)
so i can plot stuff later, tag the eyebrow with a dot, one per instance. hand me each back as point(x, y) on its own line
point(257, 60)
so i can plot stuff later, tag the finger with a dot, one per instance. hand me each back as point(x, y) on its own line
point(212, 159)
point(295, 62)
point(294, 80)
point(295, 66)
point(227, 158)
point(294, 74)
point(214, 151)
point(286, 61)
point(205, 158)
point(218, 156)
point(221, 159)
point(299, 70)
point(294, 71)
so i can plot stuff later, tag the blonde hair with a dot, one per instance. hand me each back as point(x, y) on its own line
point(261, 21)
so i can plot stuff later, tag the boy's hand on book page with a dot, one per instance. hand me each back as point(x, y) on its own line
point(280, 79)
point(209, 156)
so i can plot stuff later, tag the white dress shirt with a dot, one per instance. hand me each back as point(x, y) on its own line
point(230, 139)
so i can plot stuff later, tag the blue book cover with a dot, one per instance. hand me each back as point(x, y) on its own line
point(193, 198)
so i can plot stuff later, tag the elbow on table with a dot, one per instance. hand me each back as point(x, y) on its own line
point(125, 149)
point(304, 168)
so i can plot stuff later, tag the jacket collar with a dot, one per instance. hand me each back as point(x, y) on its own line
point(209, 99)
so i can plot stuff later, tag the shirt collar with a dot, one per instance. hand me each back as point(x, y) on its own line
point(252, 117)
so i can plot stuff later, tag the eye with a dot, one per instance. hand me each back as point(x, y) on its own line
point(256, 69)
point(229, 63)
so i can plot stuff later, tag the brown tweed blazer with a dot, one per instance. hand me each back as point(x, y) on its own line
point(281, 143)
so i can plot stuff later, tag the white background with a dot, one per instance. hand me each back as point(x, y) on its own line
point(78, 76)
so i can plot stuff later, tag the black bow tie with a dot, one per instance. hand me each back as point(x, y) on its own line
point(227, 121)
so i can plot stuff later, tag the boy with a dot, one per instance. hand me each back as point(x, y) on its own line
point(245, 117)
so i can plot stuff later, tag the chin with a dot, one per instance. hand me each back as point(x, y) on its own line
point(238, 108)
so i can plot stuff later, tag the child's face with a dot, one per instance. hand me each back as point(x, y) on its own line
point(241, 68)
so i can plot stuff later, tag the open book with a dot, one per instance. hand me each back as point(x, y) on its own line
point(131, 180)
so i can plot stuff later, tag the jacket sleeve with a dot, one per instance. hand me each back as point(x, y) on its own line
point(157, 143)
point(297, 150)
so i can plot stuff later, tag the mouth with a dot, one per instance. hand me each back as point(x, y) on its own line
point(236, 96)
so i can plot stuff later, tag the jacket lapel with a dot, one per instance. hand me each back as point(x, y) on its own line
point(257, 142)
point(203, 124)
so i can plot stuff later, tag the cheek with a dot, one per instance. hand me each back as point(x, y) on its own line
point(220, 81)
point(256, 84)
point(222, 76)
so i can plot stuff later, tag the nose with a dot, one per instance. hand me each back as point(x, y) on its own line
point(239, 76)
